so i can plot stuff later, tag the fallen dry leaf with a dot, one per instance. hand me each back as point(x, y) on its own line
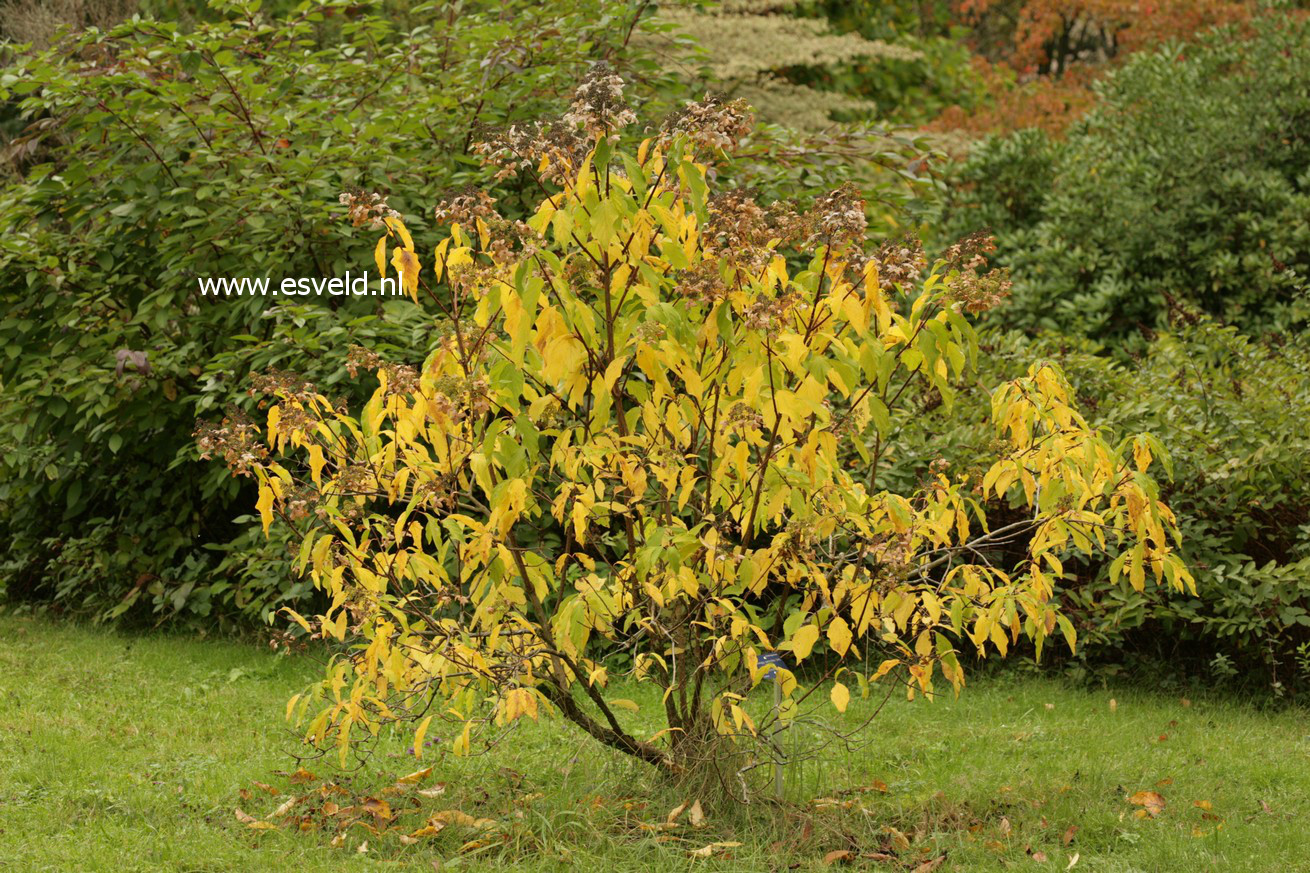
point(266, 787)
point(1168, 780)
point(1114, 705)
point(929, 866)
point(379, 809)
point(435, 791)
point(1005, 826)
point(1050, 706)
point(1069, 834)
point(1152, 801)
point(1039, 857)
point(303, 775)
point(363, 847)
point(244, 817)
point(285, 807)
point(1073, 860)
point(672, 819)
point(338, 841)
point(838, 855)
point(1185, 702)
point(415, 777)
point(696, 815)
point(711, 849)
point(429, 830)
point(463, 819)
point(1202, 804)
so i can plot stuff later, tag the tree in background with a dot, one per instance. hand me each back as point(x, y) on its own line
point(1187, 184)
point(750, 46)
point(1039, 57)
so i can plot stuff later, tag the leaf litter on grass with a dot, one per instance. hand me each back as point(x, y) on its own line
point(401, 810)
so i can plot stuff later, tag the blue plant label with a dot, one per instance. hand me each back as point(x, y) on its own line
point(770, 660)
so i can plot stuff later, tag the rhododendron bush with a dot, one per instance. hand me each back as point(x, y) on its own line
point(647, 441)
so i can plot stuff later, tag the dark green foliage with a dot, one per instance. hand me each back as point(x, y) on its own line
point(905, 91)
point(1191, 181)
point(154, 155)
point(1232, 411)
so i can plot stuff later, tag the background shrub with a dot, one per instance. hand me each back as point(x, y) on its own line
point(1189, 181)
point(152, 155)
point(1232, 412)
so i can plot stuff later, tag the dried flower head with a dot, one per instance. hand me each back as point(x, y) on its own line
point(466, 206)
point(524, 147)
point(970, 287)
point(970, 252)
point(839, 217)
point(366, 207)
point(712, 123)
point(401, 379)
point(598, 103)
point(900, 262)
point(235, 439)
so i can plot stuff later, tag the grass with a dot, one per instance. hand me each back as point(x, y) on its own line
point(129, 753)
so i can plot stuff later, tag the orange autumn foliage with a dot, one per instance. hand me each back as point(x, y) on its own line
point(1039, 57)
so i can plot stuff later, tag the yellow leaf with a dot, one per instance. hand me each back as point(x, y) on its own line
point(399, 227)
point(520, 701)
point(1152, 801)
point(623, 703)
point(839, 635)
point(841, 696)
point(316, 462)
point(802, 643)
point(265, 505)
point(380, 256)
point(884, 668)
point(418, 775)
point(711, 849)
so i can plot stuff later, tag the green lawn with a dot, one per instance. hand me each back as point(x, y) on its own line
point(126, 753)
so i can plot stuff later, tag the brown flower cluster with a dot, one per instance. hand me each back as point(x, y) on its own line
point(598, 105)
point(765, 312)
point(402, 379)
point(465, 207)
point(235, 439)
point(712, 123)
point(971, 287)
point(835, 219)
point(739, 230)
point(702, 283)
point(366, 207)
point(456, 397)
point(840, 216)
point(900, 262)
point(517, 148)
